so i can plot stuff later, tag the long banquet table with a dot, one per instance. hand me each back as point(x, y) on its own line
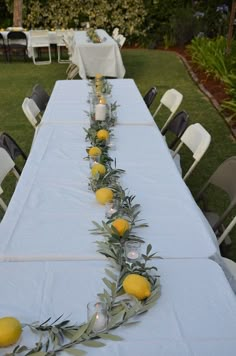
point(49, 265)
point(195, 314)
point(92, 58)
point(52, 210)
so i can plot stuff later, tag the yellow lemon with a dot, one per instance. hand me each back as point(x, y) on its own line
point(121, 226)
point(10, 331)
point(102, 100)
point(104, 195)
point(137, 286)
point(94, 151)
point(98, 168)
point(98, 76)
point(103, 134)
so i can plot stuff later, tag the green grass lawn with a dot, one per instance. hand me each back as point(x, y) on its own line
point(147, 67)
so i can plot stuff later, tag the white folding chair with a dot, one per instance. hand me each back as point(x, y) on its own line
point(171, 99)
point(115, 33)
point(61, 43)
point(120, 40)
point(6, 166)
point(40, 39)
point(72, 71)
point(197, 139)
point(230, 265)
point(227, 231)
point(31, 111)
point(223, 181)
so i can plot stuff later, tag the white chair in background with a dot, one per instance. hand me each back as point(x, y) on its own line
point(120, 40)
point(61, 43)
point(72, 71)
point(115, 33)
point(39, 39)
point(6, 166)
point(197, 139)
point(171, 99)
point(31, 111)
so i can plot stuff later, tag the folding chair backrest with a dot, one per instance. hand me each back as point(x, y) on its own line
point(171, 99)
point(120, 40)
point(40, 97)
point(224, 177)
point(17, 37)
point(197, 139)
point(115, 33)
point(39, 38)
point(177, 126)
point(6, 164)
point(10, 145)
point(150, 96)
point(31, 111)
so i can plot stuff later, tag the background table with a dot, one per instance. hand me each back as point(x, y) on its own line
point(93, 58)
point(195, 314)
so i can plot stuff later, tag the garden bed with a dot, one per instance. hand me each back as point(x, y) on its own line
point(214, 89)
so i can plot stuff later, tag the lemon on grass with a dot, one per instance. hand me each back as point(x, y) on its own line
point(121, 225)
point(98, 168)
point(137, 285)
point(94, 151)
point(10, 331)
point(103, 135)
point(104, 195)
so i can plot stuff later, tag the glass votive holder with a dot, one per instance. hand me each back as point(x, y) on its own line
point(111, 208)
point(132, 251)
point(99, 310)
point(93, 101)
point(111, 144)
point(94, 160)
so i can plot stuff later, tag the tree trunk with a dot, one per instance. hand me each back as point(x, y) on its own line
point(17, 13)
point(231, 27)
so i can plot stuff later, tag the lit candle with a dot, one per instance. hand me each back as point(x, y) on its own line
point(132, 251)
point(99, 310)
point(111, 208)
point(93, 160)
point(100, 112)
point(132, 255)
point(100, 322)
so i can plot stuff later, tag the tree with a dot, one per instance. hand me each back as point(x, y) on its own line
point(17, 13)
point(231, 26)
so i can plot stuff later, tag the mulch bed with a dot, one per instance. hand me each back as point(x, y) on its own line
point(214, 89)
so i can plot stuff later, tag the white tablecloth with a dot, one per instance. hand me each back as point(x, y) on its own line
point(52, 210)
point(93, 58)
point(195, 315)
point(69, 103)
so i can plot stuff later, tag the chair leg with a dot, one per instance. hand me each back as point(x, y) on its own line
point(3, 205)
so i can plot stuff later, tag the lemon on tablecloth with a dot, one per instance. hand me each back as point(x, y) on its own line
point(137, 285)
point(95, 151)
point(121, 225)
point(104, 195)
point(103, 134)
point(10, 331)
point(98, 168)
